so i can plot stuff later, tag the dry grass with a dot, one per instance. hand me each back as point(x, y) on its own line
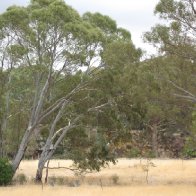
point(127, 178)
point(97, 191)
point(129, 172)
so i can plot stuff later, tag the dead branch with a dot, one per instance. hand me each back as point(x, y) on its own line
point(193, 99)
point(72, 169)
point(189, 95)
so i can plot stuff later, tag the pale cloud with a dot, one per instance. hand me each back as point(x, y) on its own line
point(4, 4)
point(115, 5)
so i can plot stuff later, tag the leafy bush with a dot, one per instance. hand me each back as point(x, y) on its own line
point(6, 172)
point(189, 150)
point(115, 179)
point(134, 152)
point(53, 180)
point(189, 153)
point(21, 179)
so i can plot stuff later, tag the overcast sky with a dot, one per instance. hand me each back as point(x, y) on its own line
point(135, 15)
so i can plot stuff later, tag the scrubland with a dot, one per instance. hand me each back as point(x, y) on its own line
point(126, 178)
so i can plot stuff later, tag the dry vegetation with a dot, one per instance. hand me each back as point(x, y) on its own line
point(128, 177)
point(97, 191)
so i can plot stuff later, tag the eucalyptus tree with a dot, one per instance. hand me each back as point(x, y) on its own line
point(50, 35)
point(176, 65)
point(52, 42)
point(85, 101)
point(176, 43)
point(178, 38)
point(7, 63)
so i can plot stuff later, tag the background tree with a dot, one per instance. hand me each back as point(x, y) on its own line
point(177, 39)
point(176, 44)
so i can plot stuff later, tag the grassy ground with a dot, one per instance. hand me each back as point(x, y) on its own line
point(97, 191)
point(129, 172)
point(127, 177)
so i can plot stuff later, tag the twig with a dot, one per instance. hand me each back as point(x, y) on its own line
point(101, 184)
point(72, 169)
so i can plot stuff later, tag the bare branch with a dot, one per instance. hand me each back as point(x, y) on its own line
point(72, 169)
point(57, 118)
point(97, 108)
point(193, 99)
point(182, 89)
point(52, 108)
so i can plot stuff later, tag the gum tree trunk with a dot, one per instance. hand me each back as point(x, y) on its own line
point(39, 172)
point(22, 148)
point(33, 122)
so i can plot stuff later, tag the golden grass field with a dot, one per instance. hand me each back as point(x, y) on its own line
point(126, 178)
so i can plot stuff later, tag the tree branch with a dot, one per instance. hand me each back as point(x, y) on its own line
point(182, 89)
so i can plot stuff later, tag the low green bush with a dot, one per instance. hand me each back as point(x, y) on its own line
point(6, 172)
point(189, 153)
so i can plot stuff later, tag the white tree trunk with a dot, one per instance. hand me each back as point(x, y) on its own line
point(22, 149)
point(33, 122)
point(47, 152)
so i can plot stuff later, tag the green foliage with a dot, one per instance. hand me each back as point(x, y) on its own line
point(189, 152)
point(193, 121)
point(121, 53)
point(17, 51)
point(134, 152)
point(89, 151)
point(190, 144)
point(6, 172)
point(176, 43)
point(105, 23)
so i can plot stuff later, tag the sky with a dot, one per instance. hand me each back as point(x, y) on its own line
point(137, 16)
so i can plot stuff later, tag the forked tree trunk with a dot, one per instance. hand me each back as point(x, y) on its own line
point(42, 161)
point(47, 152)
point(39, 173)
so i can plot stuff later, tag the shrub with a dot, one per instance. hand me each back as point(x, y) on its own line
point(189, 153)
point(6, 172)
point(134, 152)
point(54, 180)
point(115, 179)
point(61, 180)
point(21, 179)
